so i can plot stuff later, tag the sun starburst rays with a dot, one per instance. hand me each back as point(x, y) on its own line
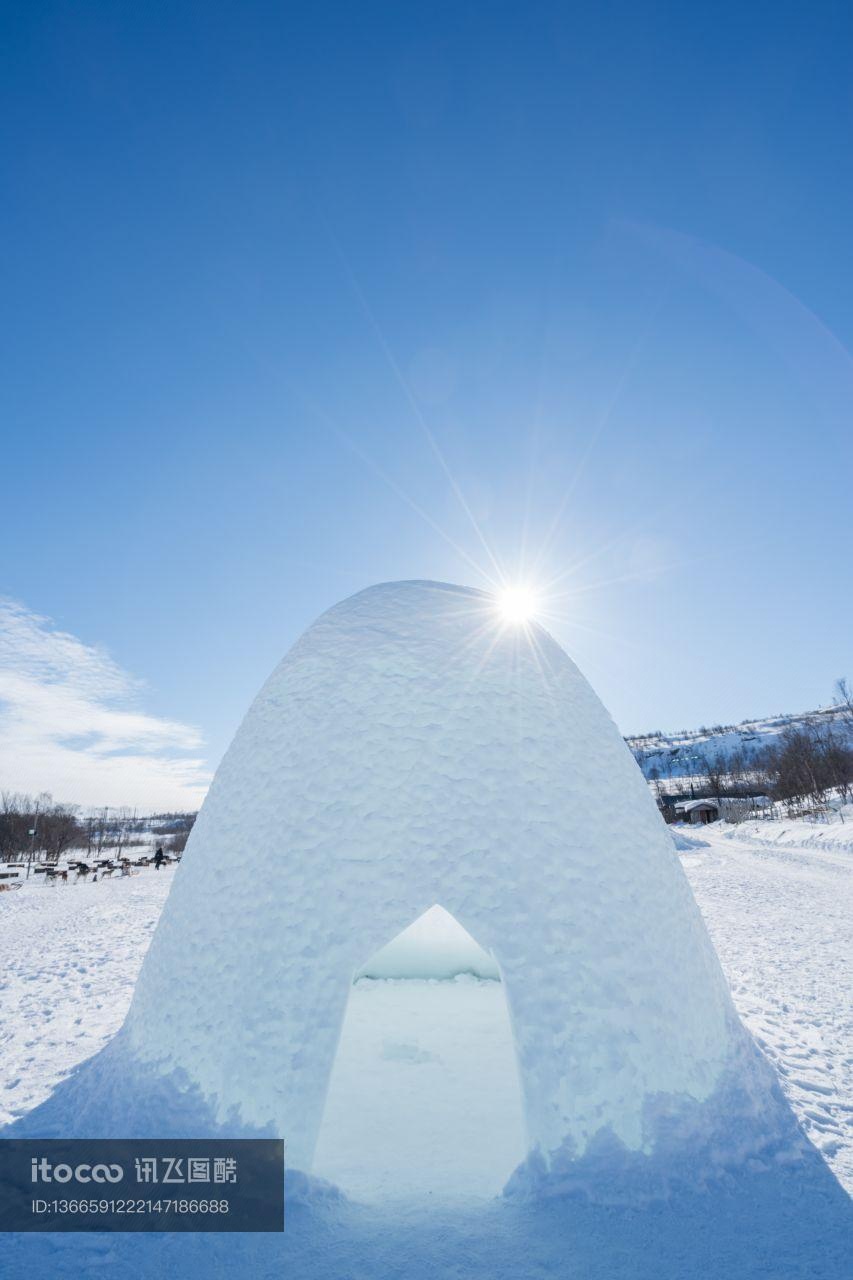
point(529, 589)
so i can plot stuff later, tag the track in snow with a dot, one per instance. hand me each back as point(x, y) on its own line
point(782, 922)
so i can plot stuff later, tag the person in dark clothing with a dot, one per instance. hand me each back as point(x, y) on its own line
point(159, 859)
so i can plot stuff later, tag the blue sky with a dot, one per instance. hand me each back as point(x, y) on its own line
point(280, 283)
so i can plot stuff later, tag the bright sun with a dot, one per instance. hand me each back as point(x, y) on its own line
point(517, 604)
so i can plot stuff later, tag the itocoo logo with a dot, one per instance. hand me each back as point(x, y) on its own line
point(43, 1171)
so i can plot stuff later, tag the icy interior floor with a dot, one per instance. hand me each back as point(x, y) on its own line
point(424, 1099)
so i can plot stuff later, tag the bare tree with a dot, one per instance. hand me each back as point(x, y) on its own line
point(716, 771)
point(844, 699)
point(121, 833)
point(97, 832)
point(14, 824)
point(58, 829)
point(808, 764)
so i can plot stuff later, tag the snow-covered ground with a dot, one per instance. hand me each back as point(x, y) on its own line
point(421, 1061)
point(69, 957)
point(781, 918)
point(423, 1120)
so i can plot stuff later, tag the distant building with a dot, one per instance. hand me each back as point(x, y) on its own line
point(729, 808)
point(696, 811)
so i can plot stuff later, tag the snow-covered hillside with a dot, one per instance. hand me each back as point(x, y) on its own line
point(681, 754)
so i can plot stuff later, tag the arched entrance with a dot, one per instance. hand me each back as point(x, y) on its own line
point(424, 1098)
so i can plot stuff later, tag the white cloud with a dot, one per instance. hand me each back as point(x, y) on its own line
point(70, 724)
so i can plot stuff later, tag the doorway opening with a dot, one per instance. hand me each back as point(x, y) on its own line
point(424, 1098)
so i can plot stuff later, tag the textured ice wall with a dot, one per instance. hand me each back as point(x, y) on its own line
point(410, 749)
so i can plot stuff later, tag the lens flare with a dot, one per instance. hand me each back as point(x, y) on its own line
point(517, 604)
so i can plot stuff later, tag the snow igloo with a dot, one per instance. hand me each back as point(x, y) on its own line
point(413, 748)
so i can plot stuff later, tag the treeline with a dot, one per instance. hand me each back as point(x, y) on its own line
point(43, 829)
point(35, 826)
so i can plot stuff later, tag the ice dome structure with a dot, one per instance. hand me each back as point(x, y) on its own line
point(414, 748)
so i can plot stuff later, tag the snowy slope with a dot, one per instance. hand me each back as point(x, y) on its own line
point(678, 755)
